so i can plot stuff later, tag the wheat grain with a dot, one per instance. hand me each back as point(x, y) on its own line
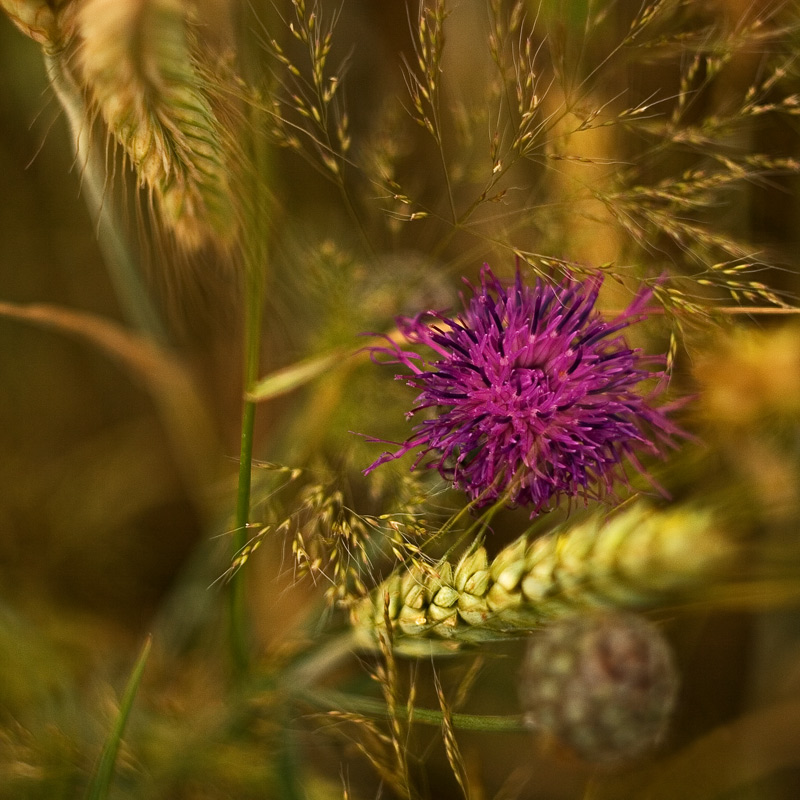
point(639, 558)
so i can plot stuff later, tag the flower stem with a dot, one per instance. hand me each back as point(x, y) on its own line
point(252, 336)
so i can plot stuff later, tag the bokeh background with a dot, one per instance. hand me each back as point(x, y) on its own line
point(105, 536)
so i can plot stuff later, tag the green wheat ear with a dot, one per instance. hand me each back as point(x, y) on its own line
point(638, 558)
point(137, 67)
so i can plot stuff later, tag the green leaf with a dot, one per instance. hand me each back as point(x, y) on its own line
point(290, 378)
point(98, 788)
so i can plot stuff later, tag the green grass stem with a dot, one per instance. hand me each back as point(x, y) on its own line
point(238, 621)
point(339, 701)
point(256, 252)
point(101, 782)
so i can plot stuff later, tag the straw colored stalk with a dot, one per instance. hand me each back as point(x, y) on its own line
point(137, 67)
point(638, 558)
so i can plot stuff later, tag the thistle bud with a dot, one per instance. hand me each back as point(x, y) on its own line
point(602, 684)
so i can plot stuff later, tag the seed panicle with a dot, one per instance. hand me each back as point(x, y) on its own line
point(306, 106)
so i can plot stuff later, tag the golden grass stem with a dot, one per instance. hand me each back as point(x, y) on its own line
point(172, 388)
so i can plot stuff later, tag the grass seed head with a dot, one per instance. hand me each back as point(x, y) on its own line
point(41, 20)
point(138, 69)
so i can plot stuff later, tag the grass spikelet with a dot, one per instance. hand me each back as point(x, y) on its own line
point(451, 748)
point(520, 93)
point(376, 748)
point(639, 558)
point(424, 77)
point(386, 751)
point(331, 543)
point(137, 67)
point(309, 106)
point(386, 675)
point(37, 19)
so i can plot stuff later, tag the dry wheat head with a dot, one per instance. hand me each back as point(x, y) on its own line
point(137, 66)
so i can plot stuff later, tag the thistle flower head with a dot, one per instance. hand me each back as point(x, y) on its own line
point(534, 393)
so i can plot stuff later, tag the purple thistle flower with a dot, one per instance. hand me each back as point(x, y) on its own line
point(534, 391)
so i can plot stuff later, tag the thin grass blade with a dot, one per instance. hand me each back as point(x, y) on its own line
point(98, 788)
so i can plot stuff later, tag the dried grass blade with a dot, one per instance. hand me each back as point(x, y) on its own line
point(184, 416)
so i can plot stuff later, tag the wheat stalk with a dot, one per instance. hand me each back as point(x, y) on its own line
point(137, 66)
point(638, 558)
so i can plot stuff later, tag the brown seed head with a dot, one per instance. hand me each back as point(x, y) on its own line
point(603, 684)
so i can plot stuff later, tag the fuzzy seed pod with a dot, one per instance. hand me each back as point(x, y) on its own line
point(637, 558)
point(604, 685)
